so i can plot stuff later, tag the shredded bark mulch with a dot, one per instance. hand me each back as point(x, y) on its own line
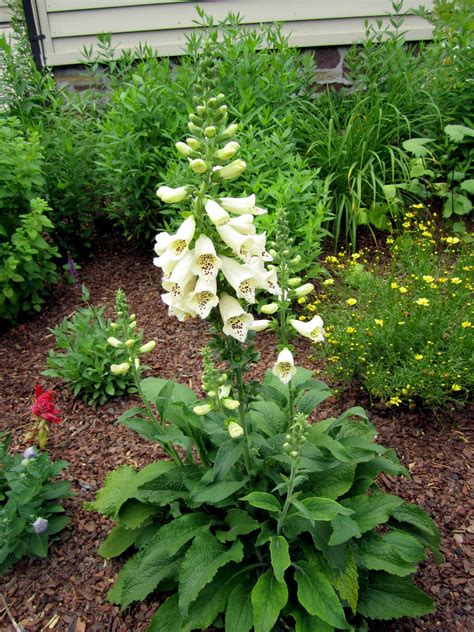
point(67, 590)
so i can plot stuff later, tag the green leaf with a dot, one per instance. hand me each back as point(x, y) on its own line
point(118, 541)
point(269, 597)
point(457, 133)
point(168, 617)
point(345, 577)
point(418, 523)
point(173, 484)
point(371, 511)
point(156, 560)
point(212, 600)
point(239, 614)
point(333, 482)
point(312, 398)
point(121, 484)
point(154, 388)
point(134, 513)
point(268, 418)
point(202, 561)
point(317, 596)
point(239, 523)
point(416, 146)
point(280, 556)
point(216, 492)
point(388, 597)
point(324, 508)
point(379, 553)
point(263, 500)
point(227, 455)
point(457, 204)
point(57, 524)
point(467, 185)
point(306, 622)
point(343, 528)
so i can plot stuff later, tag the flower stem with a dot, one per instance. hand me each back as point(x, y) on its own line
point(289, 494)
point(243, 419)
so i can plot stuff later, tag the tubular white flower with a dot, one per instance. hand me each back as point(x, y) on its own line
point(182, 276)
point(230, 404)
point(258, 247)
point(183, 148)
point(241, 206)
point(313, 329)
point(232, 170)
point(269, 308)
point(268, 280)
point(203, 298)
point(162, 240)
point(203, 409)
point(198, 165)
point(260, 325)
point(235, 430)
point(181, 309)
point(236, 321)
point(120, 369)
point(215, 212)
point(243, 224)
point(240, 277)
point(284, 368)
point(114, 342)
point(304, 290)
point(170, 195)
point(228, 150)
point(242, 245)
point(178, 243)
point(147, 347)
point(206, 263)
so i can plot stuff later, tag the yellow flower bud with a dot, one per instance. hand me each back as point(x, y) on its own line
point(231, 171)
point(294, 281)
point(193, 143)
point(129, 343)
point(120, 369)
point(210, 131)
point(228, 150)
point(198, 165)
point(235, 430)
point(114, 342)
point(183, 149)
point(270, 308)
point(231, 130)
point(202, 409)
point(230, 404)
point(149, 346)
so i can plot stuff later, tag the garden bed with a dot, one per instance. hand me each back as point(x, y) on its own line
point(67, 590)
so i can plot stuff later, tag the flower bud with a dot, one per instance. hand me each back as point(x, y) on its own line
point(114, 325)
point(259, 325)
point(198, 165)
point(231, 171)
point(194, 119)
point(231, 130)
point(30, 453)
point(114, 342)
point(170, 195)
point(137, 363)
point(223, 109)
point(212, 103)
point(223, 378)
point(193, 143)
point(293, 454)
point(202, 409)
point(133, 324)
point(183, 149)
point(220, 98)
point(25, 462)
point(235, 430)
point(296, 260)
point(39, 525)
point(269, 308)
point(294, 281)
point(146, 348)
point(228, 150)
point(193, 128)
point(129, 343)
point(230, 404)
point(201, 110)
point(120, 369)
point(210, 131)
point(304, 290)
point(212, 393)
point(132, 317)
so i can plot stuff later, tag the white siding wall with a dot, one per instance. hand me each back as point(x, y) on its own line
point(69, 25)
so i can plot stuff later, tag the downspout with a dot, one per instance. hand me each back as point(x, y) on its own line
point(36, 39)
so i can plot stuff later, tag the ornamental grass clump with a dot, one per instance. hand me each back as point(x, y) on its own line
point(259, 520)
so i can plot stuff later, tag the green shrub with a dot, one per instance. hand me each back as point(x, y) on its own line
point(27, 264)
point(408, 336)
point(84, 357)
point(21, 173)
point(29, 508)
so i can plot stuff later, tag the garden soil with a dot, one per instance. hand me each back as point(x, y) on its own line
point(67, 591)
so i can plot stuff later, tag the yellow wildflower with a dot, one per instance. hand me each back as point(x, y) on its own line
point(301, 300)
point(302, 317)
point(350, 330)
point(351, 301)
point(418, 356)
point(424, 302)
point(426, 233)
point(401, 322)
point(394, 401)
point(331, 259)
point(394, 286)
point(328, 282)
point(428, 279)
point(452, 240)
point(456, 387)
point(456, 280)
point(403, 290)
point(312, 308)
point(417, 205)
point(466, 324)
point(390, 240)
point(406, 224)
point(379, 322)
point(442, 280)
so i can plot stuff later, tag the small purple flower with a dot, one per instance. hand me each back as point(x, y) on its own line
point(30, 453)
point(39, 525)
point(73, 272)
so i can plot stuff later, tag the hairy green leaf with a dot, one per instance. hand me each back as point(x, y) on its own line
point(388, 597)
point(306, 622)
point(418, 523)
point(371, 511)
point(239, 613)
point(269, 597)
point(263, 500)
point(280, 556)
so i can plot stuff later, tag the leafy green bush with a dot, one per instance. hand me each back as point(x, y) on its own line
point(21, 173)
point(84, 357)
point(29, 508)
point(405, 335)
point(27, 264)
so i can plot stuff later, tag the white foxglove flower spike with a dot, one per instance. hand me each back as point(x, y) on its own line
point(215, 212)
point(231, 171)
point(228, 150)
point(182, 276)
point(206, 262)
point(241, 206)
point(260, 325)
point(203, 298)
point(242, 245)
point(284, 368)
point(240, 278)
point(313, 329)
point(236, 321)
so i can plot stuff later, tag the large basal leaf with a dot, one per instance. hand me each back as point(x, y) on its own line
point(331, 483)
point(418, 523)
point(279, 556)
point(168, 617)
point(118, 541)
point(156, 561)
point(227, 455)
point(204, 558)
point(238, 523)
point(138, 422)
point(122, 484)
point(239, 613)
point(133, 514)
point(388, 597)
point(318, 392)
point(269, 597)
point(345, 577)
point(324, 508)
point(343, 528)
point(305, 622)
point(172, 485)
point(371, 511)
point(154, 387)
point(317, 596)
point(263, 500)
point(217, 492)
point(268, 418)
point(380, 553)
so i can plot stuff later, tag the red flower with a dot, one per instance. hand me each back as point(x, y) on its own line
point(43, 406)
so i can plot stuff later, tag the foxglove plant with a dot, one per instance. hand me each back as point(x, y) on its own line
point(260, 518)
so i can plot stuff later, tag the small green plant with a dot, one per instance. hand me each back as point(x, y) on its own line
point(405, 334)
point(259, 520)
point(84, 357)
point(21, 173)
point(27, 264)
point(29, 507)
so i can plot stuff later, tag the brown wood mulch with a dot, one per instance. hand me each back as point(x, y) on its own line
point(67, 590)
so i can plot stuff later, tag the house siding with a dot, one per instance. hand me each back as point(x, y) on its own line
point(69, 25)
